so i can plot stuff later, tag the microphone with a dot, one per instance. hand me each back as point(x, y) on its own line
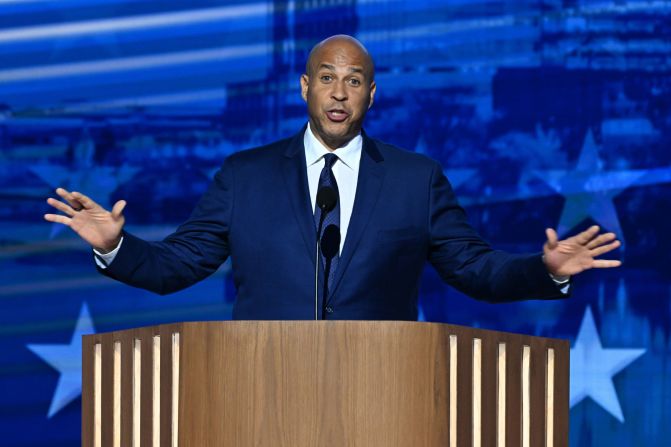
point(327, 198)
point(330, 241)
point(330, 244)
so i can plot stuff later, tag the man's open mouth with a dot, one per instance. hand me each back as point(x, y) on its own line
point(337, 115)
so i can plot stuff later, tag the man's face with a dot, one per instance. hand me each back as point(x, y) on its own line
point(339, 90)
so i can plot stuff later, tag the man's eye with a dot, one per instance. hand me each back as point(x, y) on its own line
point(326, 78)
point(355, 81)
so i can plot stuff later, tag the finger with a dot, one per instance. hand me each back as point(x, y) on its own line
point(604, 249)
point(606, 263)
point(600, 240)
point(62, 192)
point(551, 234)
point(58, 218)
point(67, 196)
point(60, 206)
point(86, 202)
point(587, 235)
point(117, 210)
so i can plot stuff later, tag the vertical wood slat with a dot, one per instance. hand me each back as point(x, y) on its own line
point(97, 395)
point(147, 385)
point(116, 392)
point(476, 391)
point(87, 390)
point(465, 388)
point(156, 392)
point(549, 398)
point(513, 393)
point(165, 403)
point(526, 398)
point(107, 392)
point(453, 412)
point(561, 416)
point(537, 390)
point(126, 340)
point(137, 392)
point(501, 395)
point(175, 391)
point(489, 378)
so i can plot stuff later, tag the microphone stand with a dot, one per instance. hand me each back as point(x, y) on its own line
point(318, 261)
point(330, 243)
point(327, 198)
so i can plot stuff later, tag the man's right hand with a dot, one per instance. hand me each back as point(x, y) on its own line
point(92, 222)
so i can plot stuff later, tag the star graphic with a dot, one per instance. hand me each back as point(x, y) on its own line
point(97, 182)
point(210, 172)
point(459, 176)
point(590, 190)
point(67, 359)
point(421, 147)
point(420, 313)
point(593, 368)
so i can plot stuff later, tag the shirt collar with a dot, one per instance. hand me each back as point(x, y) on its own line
point(349, 155)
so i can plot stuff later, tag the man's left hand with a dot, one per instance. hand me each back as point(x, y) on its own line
point(578, 253)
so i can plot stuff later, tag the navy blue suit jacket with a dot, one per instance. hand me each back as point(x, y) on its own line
point(258, 212)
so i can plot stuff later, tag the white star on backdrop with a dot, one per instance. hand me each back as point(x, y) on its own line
point(590, 190)
point(67, 359)
point(593, 368)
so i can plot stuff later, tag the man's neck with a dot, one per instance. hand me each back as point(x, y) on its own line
point(331, 146)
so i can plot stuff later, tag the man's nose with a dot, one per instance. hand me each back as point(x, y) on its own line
point(339, 93)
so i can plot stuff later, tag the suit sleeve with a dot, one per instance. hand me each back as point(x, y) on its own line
point(193, 252)
point(468, 263)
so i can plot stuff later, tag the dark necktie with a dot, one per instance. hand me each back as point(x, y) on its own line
point(330, 234)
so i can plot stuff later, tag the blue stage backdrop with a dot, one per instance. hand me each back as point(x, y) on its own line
point(553, 113)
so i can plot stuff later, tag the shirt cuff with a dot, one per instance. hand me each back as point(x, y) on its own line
point(103, 260)
point(562, 282)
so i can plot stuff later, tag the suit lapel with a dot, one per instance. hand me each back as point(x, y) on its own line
point(371, 174)
point(296, 181)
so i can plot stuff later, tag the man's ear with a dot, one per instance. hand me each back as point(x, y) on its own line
point(305, 81)
point(373, 89)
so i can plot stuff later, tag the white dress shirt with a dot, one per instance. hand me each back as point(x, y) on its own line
point(345, 170)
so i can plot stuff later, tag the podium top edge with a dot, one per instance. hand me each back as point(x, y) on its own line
point(331, 324)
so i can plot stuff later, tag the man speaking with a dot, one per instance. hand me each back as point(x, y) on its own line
point(330, 223)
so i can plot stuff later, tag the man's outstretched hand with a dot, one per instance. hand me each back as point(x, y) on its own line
point(578, 253)
point(92, 222)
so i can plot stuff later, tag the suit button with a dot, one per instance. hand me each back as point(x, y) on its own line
point(329, 310)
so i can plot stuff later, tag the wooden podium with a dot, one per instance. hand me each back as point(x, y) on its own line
point(323, 383)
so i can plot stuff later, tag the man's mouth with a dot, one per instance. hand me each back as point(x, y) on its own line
point(337, 115)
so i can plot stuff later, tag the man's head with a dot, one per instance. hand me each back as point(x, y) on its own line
point(339, 87)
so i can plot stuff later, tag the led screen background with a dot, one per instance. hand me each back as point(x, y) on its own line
point(543, 114)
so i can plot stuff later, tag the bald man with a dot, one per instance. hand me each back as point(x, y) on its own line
point(330, 223)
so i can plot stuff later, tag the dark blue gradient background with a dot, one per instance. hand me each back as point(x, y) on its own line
point(543, 113)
